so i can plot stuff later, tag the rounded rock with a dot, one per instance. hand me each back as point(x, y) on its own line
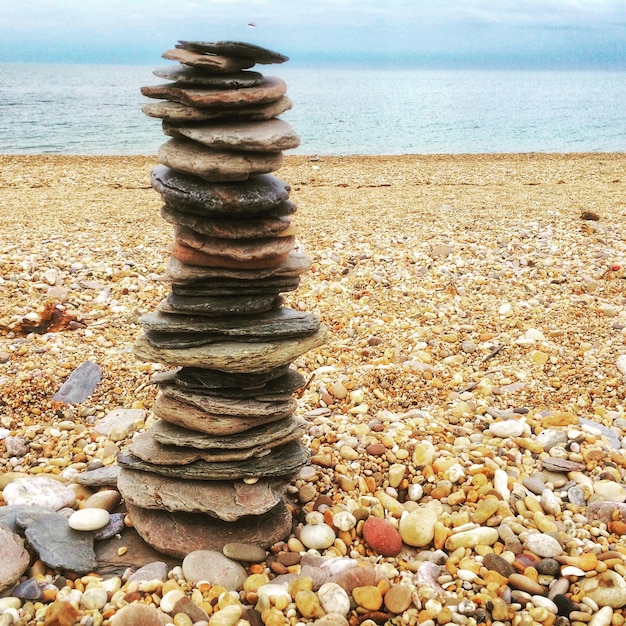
point(418, 527)
point(89, 519)
point(398, 599)
point(334, 599)
point(381, 536)
point(244, 552)
point(213, 567)
point(317, 536)
point(94, 598)
point(543, 545)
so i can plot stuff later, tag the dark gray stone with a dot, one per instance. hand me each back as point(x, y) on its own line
point(61, 547)
point(164, 329)
point(100, 477)
point(205, 380)
point(283, 461)
point(30, 589)
point(178, 534)
point(228, 287)
point(9, 515)
point(218, 306)
point(189, 76)
point(114, 527)
point(172, 435)
point(177, 112)
point(237, 49)
point(190, 193)
point(80, 385)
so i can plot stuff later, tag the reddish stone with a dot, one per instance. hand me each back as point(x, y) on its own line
point(191, 256)
point(61, 614)
point(376, 449)
point(382, 537)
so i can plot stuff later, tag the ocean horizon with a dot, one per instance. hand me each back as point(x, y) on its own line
point(96, 109)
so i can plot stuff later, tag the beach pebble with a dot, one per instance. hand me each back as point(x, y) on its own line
point(317, 536)
point(39, 491)
point(114, 527)
point(89, 519)
point(334, 599)
point(506, 428)
point(543, 545)
point(482, 536)
point(398, 598)
point(498, 564)
point(244, 552)
point(107, 499)
point(609, 491)
point(308, 604)
point(606, 589)
point(382, 536)
point(368, 597)
point(417, 528)
point(135, 614)
point(603, 617)
point(60, 612)
point(170, 598)
point(14, 558)
point(94, 598)
point(344, 520)
point(213, 567)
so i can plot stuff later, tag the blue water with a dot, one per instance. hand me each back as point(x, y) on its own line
point(96, 109)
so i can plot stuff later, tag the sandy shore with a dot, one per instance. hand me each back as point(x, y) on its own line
point(460, 290)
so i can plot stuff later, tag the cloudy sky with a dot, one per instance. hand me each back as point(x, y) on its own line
point(573, 34)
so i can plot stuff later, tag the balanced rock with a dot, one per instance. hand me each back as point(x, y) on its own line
point(226, 500)
point(193, 77)
point(230, 287)
point(210, 62)
point(218, 306)
point(174, 533)
point(266, 136)
point(237, 49)
point(212, 165)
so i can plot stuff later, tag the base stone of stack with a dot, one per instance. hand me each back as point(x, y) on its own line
point(178, 534)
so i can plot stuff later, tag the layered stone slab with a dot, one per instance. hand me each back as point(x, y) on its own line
point(223, 228)
point(236, 49)
point(179, 533)
point(256, 194)
point(193, 77)
point(283, 461)
point(164, 329)
point(212, 165)
point(226, 287)
point(207, 379)
point(268, 136)
point(208, 62)
point(238, 357)
point(178, 112)
point(219, 306)
point(270, 90)
point(226, 500)
point(192, 256)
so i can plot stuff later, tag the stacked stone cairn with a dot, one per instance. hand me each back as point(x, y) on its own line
point(214, 468)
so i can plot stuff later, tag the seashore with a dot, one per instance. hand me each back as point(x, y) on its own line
point(471, 382)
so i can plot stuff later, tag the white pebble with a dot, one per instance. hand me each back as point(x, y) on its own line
point(89, 519)
point(334, 599)
point(169, 600)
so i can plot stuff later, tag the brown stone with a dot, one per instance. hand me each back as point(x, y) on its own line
point(61, 613)
point(14, 558)
point(193, 158)
point(212, 62)
point(226, 500)
point(193, 77)
point(178, 534)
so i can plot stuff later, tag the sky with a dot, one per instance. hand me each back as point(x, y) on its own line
point(525, 34)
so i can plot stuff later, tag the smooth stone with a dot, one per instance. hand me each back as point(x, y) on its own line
point(231, 356)
point(334, 599)
point(228, 616)
point(189, 416)
point(246, 552)
point(226, 500)
point(417, 528)
point(481, 536)
point(61, 547)
point(262, 436)
point(62, 613)
point(80, 384)
point(107, 499)
point(612, 434)
point(189, 76)
point(237, 49)
point(485, 509)
point(29, 589)
point(251, 228)
point(398, 598)
point(317, 536)
point(218, 306)
point(608, 491)
point(381, 536)
point(524, 583)
point(19, 517)
point(39, 491)
point(208, 62)
point(114, 527)
point(498, 564)
point(507, 428)
point(14, 558)
point(295, 264)
point(193, 256)
point(99, 477)
point(549, 567)
point(353, 577)
point(157, 570)
point(543, 545)
point(368, 597)
point(195, 613)
point(604, 511)
point(576, 495)
point(603, 617)
point(235, 249)
point(280, 462)
point(193, 158)
point(606, 589)
point(556, 464)
point(177, 112)
point(534, 484)
point(136, 614)
point(119, 423)
point(255, 195)
point(550, 437)
point(94, 599)
point(89, 519)
point(263, 136)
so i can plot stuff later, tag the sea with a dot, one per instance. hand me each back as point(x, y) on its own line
point(96, 109)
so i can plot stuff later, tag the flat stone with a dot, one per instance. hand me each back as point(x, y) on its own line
point(100, 477)
point(237, 357)
point(226, 500)
point(9, 514)
point(253, 250)
point(215, 568)
point(61, 547)
point(145, 447)
point(556, 464)
point(80, 384)
point(210, 62)
point(262, 136)
point(177, 112)
point(237, 49)
point(39, 491)
point(14, 558)
point(227, 287)
point(261, 436)
point(218, 306)
point(283, 461)
point(120, 422)
point(190, 157)
point(178, 534)
point(606, 589)
point(193, 77)
point(245, 552)
point(189, 193)
point(157, 570)
point(223, 383)
point(136, 614)
point(269, 90)
point(114, 527)
point(256, 227)
point(163, 329)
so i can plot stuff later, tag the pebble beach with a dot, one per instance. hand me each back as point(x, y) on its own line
point(465, 417)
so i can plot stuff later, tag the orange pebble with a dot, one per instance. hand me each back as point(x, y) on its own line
point(257, 568)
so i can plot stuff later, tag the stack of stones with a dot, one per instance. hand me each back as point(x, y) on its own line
point(214, 468)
